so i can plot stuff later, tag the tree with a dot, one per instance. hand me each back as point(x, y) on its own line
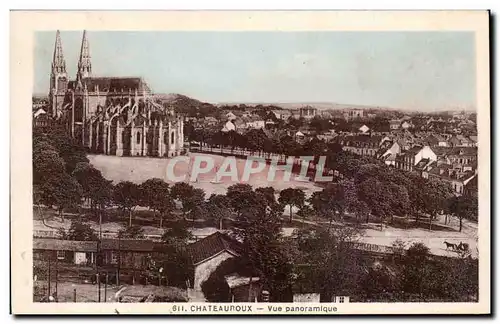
point(194, 202)
point(436, 196)
point(464, 207)
point(62, 191)
point(127, 196)
point(292, 197)
point(320, 125)
point(155, 194)
point(69, 149)
point(95, 187)
point(174, 260)
point(177, 235)
point(256, 139)
point(415, 271)
point(132, 232)
point(181, 190)
point(305, 212)
point(384, 198)
point(102, 196)
point(241, 197)
point(331, 254)
point(218, 208)
point(378, 281)
point(79, 231)
point(329, 202)
point(268, 193)
point(316, 148)
point(258, 226)
point(46, 162)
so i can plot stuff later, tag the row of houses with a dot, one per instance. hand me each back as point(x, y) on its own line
point(132, 258)
point(306, 112)
point(454, 165)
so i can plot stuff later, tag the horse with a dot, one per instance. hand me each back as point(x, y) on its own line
point(463, 246)
point(450, 245)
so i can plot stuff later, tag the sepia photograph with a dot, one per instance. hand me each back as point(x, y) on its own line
point(251, 169)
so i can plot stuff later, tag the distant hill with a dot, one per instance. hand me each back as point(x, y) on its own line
point(318, 105)
point(186, 105)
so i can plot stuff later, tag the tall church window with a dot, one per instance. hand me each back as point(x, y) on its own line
point(172, 137)
point(138, 137)
point(165, 138)
point(78, 110)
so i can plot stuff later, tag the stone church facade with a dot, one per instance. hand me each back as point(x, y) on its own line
point(112, 115)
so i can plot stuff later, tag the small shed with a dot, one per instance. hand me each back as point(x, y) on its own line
point(243, 289)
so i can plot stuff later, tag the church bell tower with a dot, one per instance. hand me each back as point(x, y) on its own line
point(84, 65)
point(58, 77)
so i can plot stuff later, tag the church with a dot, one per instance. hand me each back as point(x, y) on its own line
point(112, 115)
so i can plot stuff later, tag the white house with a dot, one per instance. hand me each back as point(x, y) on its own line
point(228, 126)
point(394, 124)
point(39, 112)
point(389, 152)
point(409, 159)
point(230, 116)
point(364, 129)
point(406, 125)
point(282, 114)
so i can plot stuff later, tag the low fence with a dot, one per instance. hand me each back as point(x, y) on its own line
point(368, 247)
point(53, 234)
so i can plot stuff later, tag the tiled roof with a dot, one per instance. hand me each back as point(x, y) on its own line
point(414, 150)
point(450, 174)
point(422, 163)
point(472, 184)
point(390, 157)
point(211, 246)
point(64, 245)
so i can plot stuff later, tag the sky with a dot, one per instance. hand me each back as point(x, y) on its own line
point(407, 70)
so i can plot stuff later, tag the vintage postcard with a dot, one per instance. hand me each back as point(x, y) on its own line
point(250, 163)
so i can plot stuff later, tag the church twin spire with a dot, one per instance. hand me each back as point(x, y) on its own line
point(84, 64)
point(58, 62)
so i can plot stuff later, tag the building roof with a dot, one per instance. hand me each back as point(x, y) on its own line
point(446, 151)
point(212, 245)
point(364, 128)
point(235, 280)
point(39, 112)
point(281, 112)
point(64, 245)
point(414, 150)
point(447, 172)
point(113, 84)
point(127, 245)
point(472, 184)
point(390, 157)
point(363, 138)
point(422, 164)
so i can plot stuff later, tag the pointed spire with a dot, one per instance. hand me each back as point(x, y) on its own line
point(58, 62)
point(84, 65)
